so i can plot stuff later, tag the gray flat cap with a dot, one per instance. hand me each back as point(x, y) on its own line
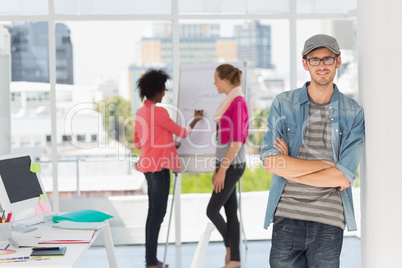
point(321, 40)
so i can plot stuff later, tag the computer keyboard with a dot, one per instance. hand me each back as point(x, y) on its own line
point(22, 241)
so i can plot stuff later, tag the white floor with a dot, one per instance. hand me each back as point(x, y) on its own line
point(256, 255)
point(193, 222)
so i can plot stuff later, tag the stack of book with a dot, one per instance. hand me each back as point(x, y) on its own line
point(48, 251)
point(66, 237)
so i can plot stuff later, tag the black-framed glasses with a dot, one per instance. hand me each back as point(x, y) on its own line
point(317, 61)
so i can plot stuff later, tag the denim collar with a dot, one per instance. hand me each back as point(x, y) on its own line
point(334, 100)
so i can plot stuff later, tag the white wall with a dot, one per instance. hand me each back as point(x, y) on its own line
point(380, 69)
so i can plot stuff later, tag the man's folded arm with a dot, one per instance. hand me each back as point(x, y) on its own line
point(286, 166)
point(330, 177)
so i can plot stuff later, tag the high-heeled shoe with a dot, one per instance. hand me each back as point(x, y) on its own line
point(160, 265)
point(236, 266)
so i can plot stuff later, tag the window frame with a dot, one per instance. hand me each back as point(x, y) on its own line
point(175, 17)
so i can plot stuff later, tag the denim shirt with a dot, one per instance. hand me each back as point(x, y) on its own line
point(288, 119)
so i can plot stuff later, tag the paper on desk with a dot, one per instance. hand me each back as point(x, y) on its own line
point(66, 237)
point(78, 225)
point(38, 211)
point(44, 205)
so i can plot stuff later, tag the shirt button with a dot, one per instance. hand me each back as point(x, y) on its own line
point(336, 130)
point(340, 133)
point(288, 129)
point(332, 119)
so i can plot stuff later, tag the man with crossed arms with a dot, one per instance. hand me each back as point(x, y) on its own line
point(312, 147)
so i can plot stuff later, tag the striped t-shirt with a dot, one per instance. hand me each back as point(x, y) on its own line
point(309, 203)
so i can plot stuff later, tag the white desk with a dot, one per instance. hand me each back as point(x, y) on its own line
point(73, 253)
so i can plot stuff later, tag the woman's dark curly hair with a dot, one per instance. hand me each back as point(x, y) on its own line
point(152, 83)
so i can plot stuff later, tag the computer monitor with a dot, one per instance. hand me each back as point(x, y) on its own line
point(20, 189)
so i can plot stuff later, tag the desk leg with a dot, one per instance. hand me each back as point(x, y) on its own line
point(107, 238)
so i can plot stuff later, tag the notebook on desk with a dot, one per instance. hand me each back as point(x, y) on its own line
point(48, 252)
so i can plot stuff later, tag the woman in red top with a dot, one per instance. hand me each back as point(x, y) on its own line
point(153, 135)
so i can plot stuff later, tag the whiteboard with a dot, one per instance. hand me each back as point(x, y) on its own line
point(198, 92)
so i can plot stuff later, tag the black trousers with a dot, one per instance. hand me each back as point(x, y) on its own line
point(158, 193)
point(227, 198)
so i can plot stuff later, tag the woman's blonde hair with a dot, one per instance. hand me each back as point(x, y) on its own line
point(229, 72)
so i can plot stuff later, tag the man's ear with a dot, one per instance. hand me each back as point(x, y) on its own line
point(338, 62)
point(305, 64)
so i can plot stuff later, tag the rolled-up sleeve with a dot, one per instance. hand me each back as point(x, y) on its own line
point(273, 131)
point(351, 148)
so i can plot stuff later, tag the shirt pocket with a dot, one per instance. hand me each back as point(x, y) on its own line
point(342, 134)
point(289, 132)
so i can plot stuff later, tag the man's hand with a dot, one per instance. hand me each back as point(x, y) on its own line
point(281, 146)
point(343, 187)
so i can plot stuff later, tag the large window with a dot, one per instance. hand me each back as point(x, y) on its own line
point(29, 90)
point(97, 108)
point(102, 47)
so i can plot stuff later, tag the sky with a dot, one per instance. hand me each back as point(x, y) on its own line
point(104, 50)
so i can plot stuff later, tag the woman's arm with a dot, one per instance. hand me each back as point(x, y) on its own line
point(237, 117)
point(218, 178)
point(166, 122)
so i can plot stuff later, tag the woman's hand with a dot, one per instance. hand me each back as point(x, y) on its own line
point(281, 146)
point(218, 180)
point(177, 144)
point(198, 115)
point(213, 177)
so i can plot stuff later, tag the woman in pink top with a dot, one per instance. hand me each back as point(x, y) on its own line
point(232, 125)
point(153, 135)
